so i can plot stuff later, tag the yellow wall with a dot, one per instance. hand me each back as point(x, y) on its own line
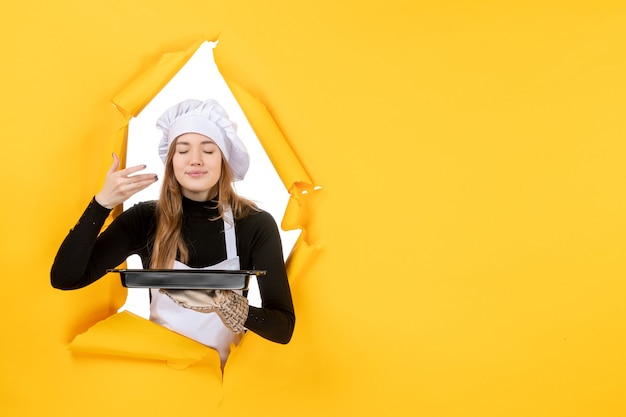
point(464, 256)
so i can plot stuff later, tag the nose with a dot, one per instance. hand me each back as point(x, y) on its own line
point(195, 157)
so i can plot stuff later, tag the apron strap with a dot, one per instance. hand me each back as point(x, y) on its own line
point(229, 232)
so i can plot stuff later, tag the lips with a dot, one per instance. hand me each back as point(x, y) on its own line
point(195, 173)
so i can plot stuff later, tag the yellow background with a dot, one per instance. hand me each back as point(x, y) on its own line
point(464, 257)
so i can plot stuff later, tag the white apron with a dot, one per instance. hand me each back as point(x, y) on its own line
point(206, 328)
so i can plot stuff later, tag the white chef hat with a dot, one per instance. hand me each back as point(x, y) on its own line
point(209, 119)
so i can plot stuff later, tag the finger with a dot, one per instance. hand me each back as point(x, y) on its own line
point(142, 177)
point(134, 185)
point(143, 185)
point(131, 170)
point(115, 165)
point(137, 179)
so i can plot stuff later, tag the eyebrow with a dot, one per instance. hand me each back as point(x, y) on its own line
point(204, 142)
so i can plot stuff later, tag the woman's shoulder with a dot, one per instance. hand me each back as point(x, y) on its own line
point(258, 228)
point(145, 210)
point(258, 218)
point(149, 203)
point(144, 206)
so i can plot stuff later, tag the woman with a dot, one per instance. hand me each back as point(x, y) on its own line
point(198, 222)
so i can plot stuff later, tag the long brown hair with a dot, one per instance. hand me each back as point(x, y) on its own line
point(168, 241)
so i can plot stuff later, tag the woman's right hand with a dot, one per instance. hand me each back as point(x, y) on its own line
point(120, 185)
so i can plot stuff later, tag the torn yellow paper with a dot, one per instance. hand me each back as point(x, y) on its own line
point(128, 335)
point(131, 100)
point(288, 166)
point(285, 161)
point(300, 257)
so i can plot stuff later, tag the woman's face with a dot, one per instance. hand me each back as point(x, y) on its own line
point(197, 164)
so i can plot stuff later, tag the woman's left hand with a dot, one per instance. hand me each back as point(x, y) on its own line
point(231, 307)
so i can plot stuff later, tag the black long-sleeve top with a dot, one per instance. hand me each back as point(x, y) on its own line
point(86, 254)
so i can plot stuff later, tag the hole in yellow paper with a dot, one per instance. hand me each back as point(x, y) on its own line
point(200, 79)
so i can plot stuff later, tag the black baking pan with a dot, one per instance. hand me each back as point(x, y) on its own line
point(210, 279)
